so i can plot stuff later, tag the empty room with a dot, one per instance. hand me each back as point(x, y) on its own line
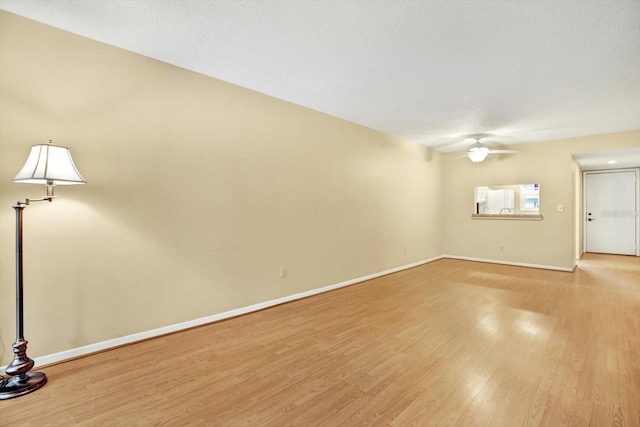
point(319, 213)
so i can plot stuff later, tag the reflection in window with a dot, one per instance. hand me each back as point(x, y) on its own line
point(530, 197)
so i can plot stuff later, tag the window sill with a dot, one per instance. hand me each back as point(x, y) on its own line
point(520, 217)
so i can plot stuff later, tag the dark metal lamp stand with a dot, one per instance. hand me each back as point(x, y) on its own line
point(20, 380)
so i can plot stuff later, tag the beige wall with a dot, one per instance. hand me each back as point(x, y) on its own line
point(550, 242)
point(199, 191)
point(577, 208)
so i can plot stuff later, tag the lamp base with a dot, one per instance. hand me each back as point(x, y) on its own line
point(21, 384)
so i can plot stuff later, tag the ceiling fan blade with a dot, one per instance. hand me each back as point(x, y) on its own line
point(504, 151)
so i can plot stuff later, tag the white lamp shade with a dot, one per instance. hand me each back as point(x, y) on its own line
point(478, 154)
point(50, 165)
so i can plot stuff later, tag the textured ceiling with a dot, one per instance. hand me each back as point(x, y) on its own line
point(434, 72)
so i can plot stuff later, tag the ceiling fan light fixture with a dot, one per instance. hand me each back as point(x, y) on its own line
point(478, 154)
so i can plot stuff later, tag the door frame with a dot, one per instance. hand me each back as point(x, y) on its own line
point(584, 204)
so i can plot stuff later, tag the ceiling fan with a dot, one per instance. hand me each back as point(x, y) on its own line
point(479, 152)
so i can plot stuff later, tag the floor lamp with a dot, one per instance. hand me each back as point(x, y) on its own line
point(50, 165)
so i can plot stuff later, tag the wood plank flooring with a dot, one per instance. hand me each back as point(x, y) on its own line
point(450, 343)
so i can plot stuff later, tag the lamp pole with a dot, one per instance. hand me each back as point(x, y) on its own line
point(20, 380)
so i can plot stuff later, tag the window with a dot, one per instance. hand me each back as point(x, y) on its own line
point(530, 197)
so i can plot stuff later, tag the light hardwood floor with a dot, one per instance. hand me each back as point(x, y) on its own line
point(449, 343)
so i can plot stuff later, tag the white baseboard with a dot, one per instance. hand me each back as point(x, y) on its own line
point(129, 339)
point(117, 342)
point(518, 264)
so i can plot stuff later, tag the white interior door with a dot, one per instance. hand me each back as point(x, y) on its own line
point(610, 212)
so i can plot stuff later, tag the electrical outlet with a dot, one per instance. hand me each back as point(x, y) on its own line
point(283, 272)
